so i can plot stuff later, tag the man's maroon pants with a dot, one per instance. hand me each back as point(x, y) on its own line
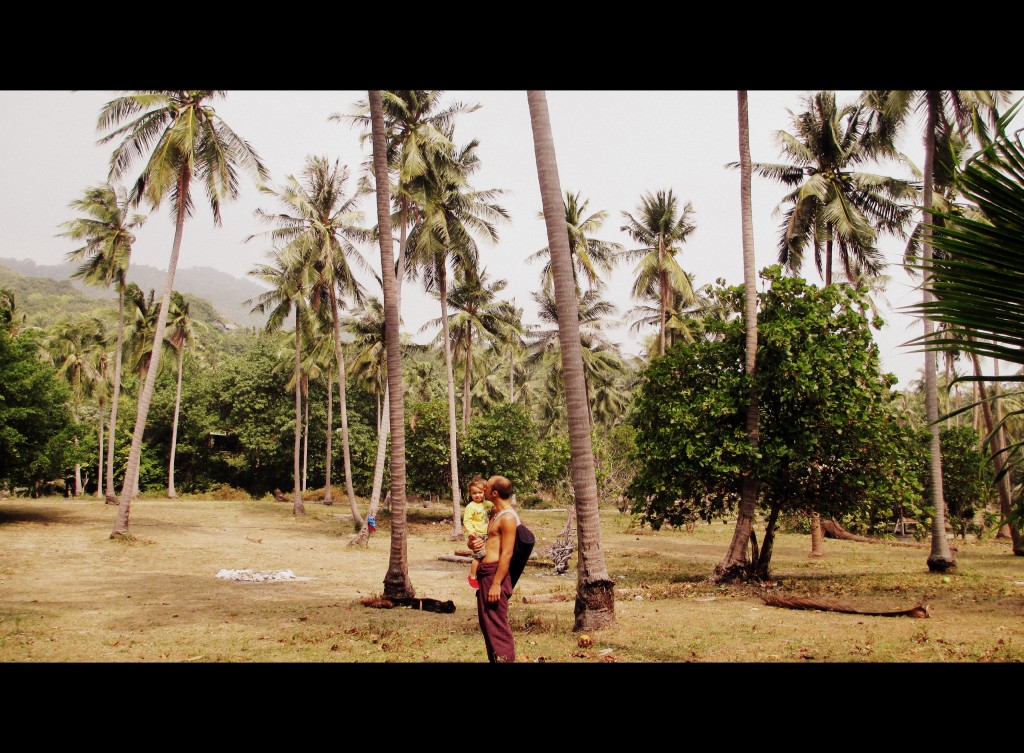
point(493, 615)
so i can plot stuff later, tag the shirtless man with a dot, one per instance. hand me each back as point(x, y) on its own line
point(495, 582)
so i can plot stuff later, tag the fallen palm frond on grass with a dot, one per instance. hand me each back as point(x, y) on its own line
point(827, 605)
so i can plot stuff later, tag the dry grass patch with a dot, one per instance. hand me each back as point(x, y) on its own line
point(72, 594)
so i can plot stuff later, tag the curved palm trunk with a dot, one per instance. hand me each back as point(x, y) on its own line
point(466, 379)
point(595, 595)
point(941, 556)
point(662, 303)
point(396, 580)
point(171, 492)
point(297, 507)
point(735, 565)
point(329, 460)
point(453, 445)
point(342, 407)
point(363, 537)
point(99, 462)
point(305, 434)
point(996, 450)
point(131, 474)
point(117, 395)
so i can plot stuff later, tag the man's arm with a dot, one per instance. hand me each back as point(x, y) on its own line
point(507, 531)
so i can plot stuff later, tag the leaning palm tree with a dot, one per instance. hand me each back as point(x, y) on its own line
point(396, 579)
point(833, 207)
point(323, 222)
point(967, 109)
point(185, 139)
point(451, 212)
point(288, 276)
point(595, 594)
point(661, 226)
point(106, 229)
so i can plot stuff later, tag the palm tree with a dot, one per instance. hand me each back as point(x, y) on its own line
point(320, 217)
point(660, 227)
point(182, 334)
point(368, 327)
point(891, 110)
point(590, 256)
point(106, 230)
point(417, 132)
point(477, 308)
point(288, 276)
point(396, 580)
point(593, 312)
point(735, 563)
point(834, 207)
point(72, 347)
point(185, 139)
point(595, 595)
point(450, 212)
point(973, 285)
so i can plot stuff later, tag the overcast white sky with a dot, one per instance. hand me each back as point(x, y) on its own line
point(612, 146)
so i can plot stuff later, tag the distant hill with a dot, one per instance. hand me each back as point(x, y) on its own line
point(225, 292)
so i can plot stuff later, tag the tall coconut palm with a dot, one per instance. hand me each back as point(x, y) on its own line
point(396, 579)
point(451, 212)
point(181, 330)
point(184, 139)
point(590, 256)
point(106, 229)
point(973, 284)
point(834, 207)
point(595, 595)
point(319, 216)
point(943, 109)
point(735, 564)
point(288, 275)
point(660, 228)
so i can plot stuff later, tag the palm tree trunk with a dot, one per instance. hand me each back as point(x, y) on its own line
point(996, 450)
point(595, 595)
point(329, 459)
point(363, 537)
point(735, 565)
point(396, 580)
point(117, 394)
point(343, 407)
point(297, 507)
point(661, 293)
point(453, 445)
point(305, 435)
point(99, 463)
point(466, 379)
point(171, 492)
point(131, 474)
point(941, 556)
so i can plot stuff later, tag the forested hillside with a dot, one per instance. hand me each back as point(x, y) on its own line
point(228, 291)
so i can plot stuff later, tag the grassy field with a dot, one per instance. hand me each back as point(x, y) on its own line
point(69, 593)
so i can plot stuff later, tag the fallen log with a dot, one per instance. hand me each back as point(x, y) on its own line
point(454, 558)
point(827, 605)
point(423, 604)
point(833, 530)
point(546, 598)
